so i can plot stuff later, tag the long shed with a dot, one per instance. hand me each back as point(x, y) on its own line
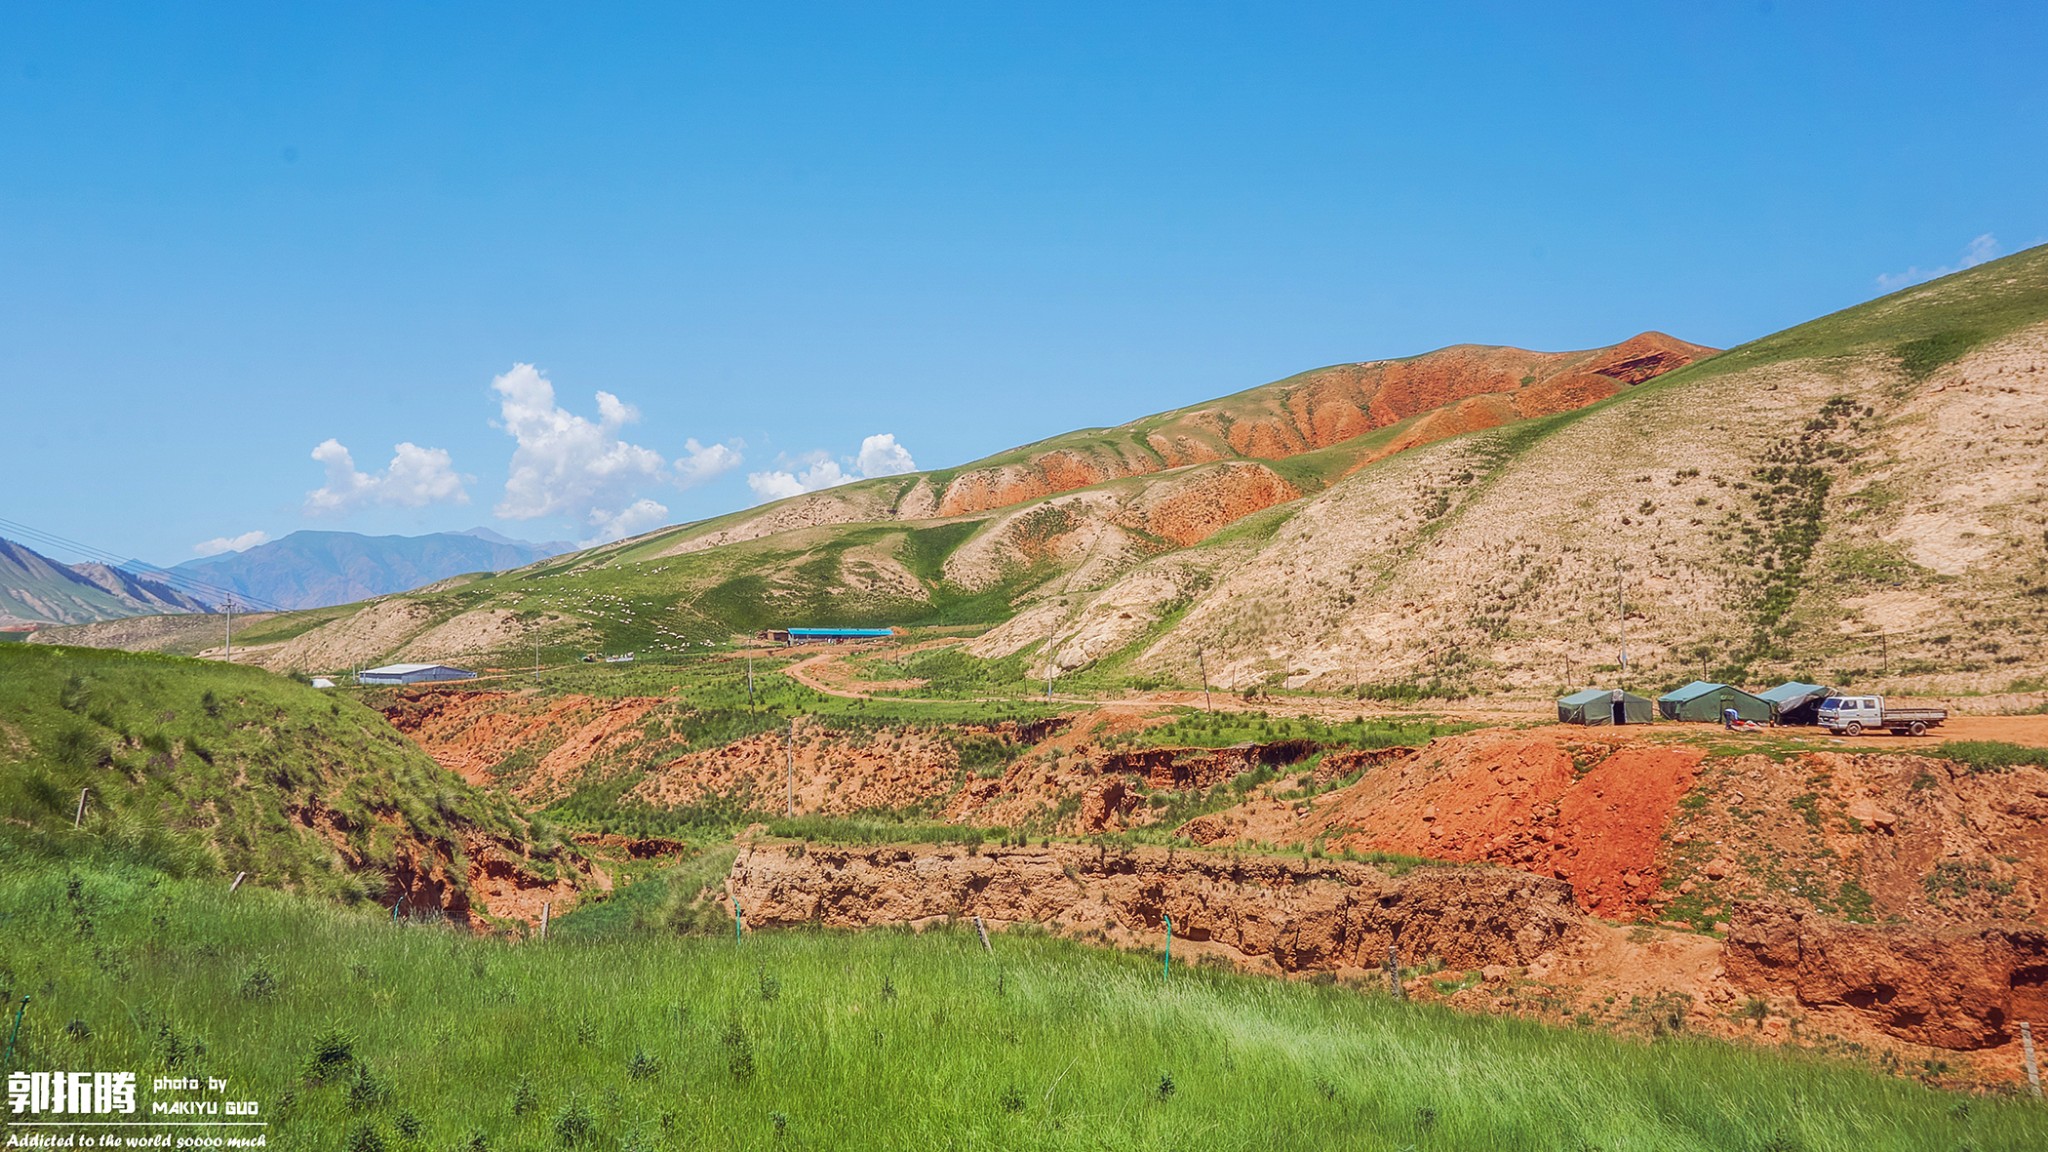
point(1704, 701)
point(413, 674)
point(1595, 706)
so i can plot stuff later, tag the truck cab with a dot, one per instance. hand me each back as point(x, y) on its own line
point(1852, 714)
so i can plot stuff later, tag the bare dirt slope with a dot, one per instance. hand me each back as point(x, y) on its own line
point(1488, 939)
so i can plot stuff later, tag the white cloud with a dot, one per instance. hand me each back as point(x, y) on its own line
point(565, 464)
point(636, 518)
point(220, 544)
point(880, 455)
point(700, 462)
point(1979, 251)
point(415, 478)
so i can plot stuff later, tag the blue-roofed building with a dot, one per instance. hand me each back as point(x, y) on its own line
point(825, 635)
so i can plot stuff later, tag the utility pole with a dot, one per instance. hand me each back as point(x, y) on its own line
point(1202, 662)
point(536, 655)
point(1051, 625)
point(231, 630)
point(750, 683)
point(792, 767)
point(1621, 605)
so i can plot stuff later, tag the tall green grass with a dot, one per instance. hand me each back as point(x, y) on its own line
point(353, 1031)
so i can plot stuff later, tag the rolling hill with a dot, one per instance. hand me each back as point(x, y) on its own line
point(208, 770)
point(1856, 498)
point(35, 588)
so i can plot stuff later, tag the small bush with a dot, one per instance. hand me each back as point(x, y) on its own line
point(365, 1090)
point(333, 1052)
point(643, 1066)
point(739, 1051)
point(259, 984)
point(363, 1137)
point(524, 1098)
point(574, 1124)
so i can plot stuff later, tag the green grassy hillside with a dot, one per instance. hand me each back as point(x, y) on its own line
point(352, 1032)
point(1790, 508)
point(205, 769)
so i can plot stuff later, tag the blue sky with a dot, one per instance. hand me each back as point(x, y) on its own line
point(794, 243)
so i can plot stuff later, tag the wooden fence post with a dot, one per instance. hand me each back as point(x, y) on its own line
point(239, 877)
point(2033, 1070)
point(982, 929)
point(80, 818)
point(546, 907)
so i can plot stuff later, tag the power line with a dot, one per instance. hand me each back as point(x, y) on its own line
point(193, 586)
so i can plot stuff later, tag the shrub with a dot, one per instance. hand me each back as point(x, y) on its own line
point(259, 984)
point(739, 1051)
point(524, 1098)
point(643, 1066)
point(574, 1124)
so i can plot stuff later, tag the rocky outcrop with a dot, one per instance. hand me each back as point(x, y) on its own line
point(1956, 988)
point(1181, 768)
point(1263, 912)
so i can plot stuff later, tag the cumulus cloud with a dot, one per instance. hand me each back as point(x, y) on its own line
point(635, 518)
point(566, 464)
point(1979, 251)
point(220, 544)
point(702, 462)
point(879, 455)
point(415, 478)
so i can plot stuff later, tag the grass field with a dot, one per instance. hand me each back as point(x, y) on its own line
point(199, 767)
point(353, 1032)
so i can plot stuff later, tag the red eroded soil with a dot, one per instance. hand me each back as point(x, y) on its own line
point(475, 733)
point(1496, 940)
point(835, 772)
point(1476, 387)
point(1193, 511)
point(1556, 802)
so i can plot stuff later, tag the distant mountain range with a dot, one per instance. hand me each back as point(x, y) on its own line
point(318, 569)
point(35, 588)
point(302, 570)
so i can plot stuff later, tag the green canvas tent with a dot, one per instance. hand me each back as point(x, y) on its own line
point(1795, 703)
point(1604, 706)
point(1703, 702)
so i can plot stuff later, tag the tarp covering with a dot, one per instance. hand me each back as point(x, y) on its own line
point(1795, 703)
point(1604, 706)
point(1704, 701)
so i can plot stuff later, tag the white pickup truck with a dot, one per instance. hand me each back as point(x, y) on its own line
point(1850, 715)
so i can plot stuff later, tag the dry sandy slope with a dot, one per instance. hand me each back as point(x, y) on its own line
point(1470, 562)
